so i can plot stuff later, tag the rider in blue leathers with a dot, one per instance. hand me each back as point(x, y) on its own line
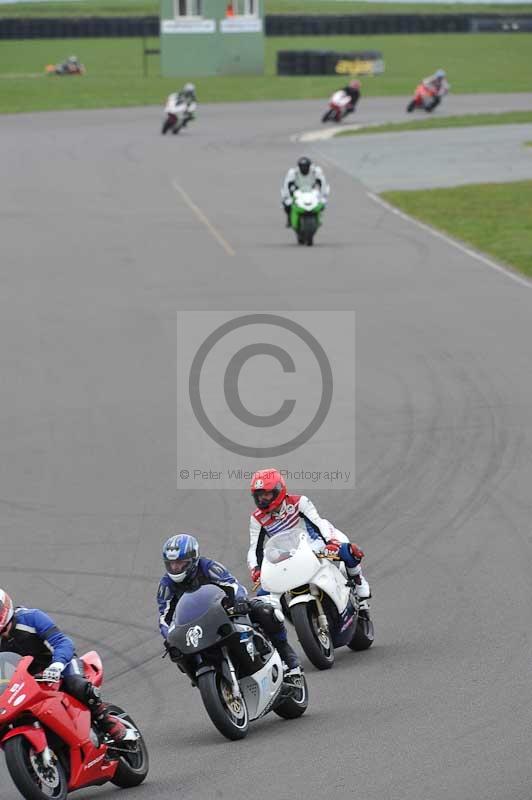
point(31, 632)
point(187, 571)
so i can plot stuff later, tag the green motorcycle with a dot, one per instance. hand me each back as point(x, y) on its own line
point(305, 214)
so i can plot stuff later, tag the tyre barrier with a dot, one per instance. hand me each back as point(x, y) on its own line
point(328, 62)
point(501, 25)
point(275, 25)
point(359, 24)
point(77, 27)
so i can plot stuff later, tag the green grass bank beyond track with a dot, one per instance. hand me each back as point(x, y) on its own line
point(493, 217)
point(149, 7)
point(464, 121)
point(476, 63)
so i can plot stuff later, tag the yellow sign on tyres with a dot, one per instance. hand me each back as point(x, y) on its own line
point(359, 67)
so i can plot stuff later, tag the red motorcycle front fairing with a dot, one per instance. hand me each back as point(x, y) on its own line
point(93, 667)
point(35, 736)
point(422, 94)
point(62, 714)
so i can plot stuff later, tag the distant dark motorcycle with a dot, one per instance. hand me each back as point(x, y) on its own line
point(236, 668)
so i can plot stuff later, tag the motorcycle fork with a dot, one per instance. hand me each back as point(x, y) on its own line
point(323, 622)
point(231, 677)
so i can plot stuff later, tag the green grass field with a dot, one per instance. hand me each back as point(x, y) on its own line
point(134, 7)
point(464, 121)
point(493, 62)
point(493, 217)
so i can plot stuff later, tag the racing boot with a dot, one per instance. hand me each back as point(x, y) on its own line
point(108, 724)
point(288, 654)
point(362, 590)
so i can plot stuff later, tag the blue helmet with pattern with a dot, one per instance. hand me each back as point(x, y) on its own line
point(181, 556)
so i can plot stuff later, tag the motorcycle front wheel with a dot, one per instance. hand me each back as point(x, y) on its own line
point(229, 714)
point(316, 643)
point(33, 779)
point(308, 226)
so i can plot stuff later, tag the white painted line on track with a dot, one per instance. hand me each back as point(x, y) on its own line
point(478, 256)
point(324, 133)
point(204, 219)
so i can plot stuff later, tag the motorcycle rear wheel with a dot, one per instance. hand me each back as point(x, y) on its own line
point(132, 767)
point(318, 651)
point(364, 633)
point(32, 781)
point(232, 722)
point(296, 705)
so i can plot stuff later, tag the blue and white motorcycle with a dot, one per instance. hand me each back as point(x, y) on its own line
point(316, 595)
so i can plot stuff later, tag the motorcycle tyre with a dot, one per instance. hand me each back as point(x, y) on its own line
point(308, 227)
point(364, 634)
point(126, 775)
point(17, 755)
point(308, 637)
point(292, 708)
point(214, 706)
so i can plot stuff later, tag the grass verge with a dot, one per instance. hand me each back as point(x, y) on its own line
point(464, 121)
point(150, 7)
point(115, 77)
point(493, 217)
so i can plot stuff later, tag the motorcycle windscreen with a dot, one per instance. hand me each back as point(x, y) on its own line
point(282, 546)
point(193, 605)
point(8, 666)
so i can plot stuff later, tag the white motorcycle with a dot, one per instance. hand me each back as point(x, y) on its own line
point(178, 112)
point(316, 596)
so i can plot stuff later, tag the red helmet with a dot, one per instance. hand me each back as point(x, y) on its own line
point(354, 84)
point(6, 610)
point(268, 488)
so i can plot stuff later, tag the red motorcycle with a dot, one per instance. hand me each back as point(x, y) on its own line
point(50, 745)
point(426, 98)
point(340, 105)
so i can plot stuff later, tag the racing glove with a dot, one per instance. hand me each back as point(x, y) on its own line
point(52, 674)
point(255, 574)
point(347, 551)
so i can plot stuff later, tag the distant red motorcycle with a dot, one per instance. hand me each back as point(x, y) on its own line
point(426, 98)
point(340, 105)
point(50, 745)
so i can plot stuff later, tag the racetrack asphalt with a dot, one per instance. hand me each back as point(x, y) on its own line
point(99, 250)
